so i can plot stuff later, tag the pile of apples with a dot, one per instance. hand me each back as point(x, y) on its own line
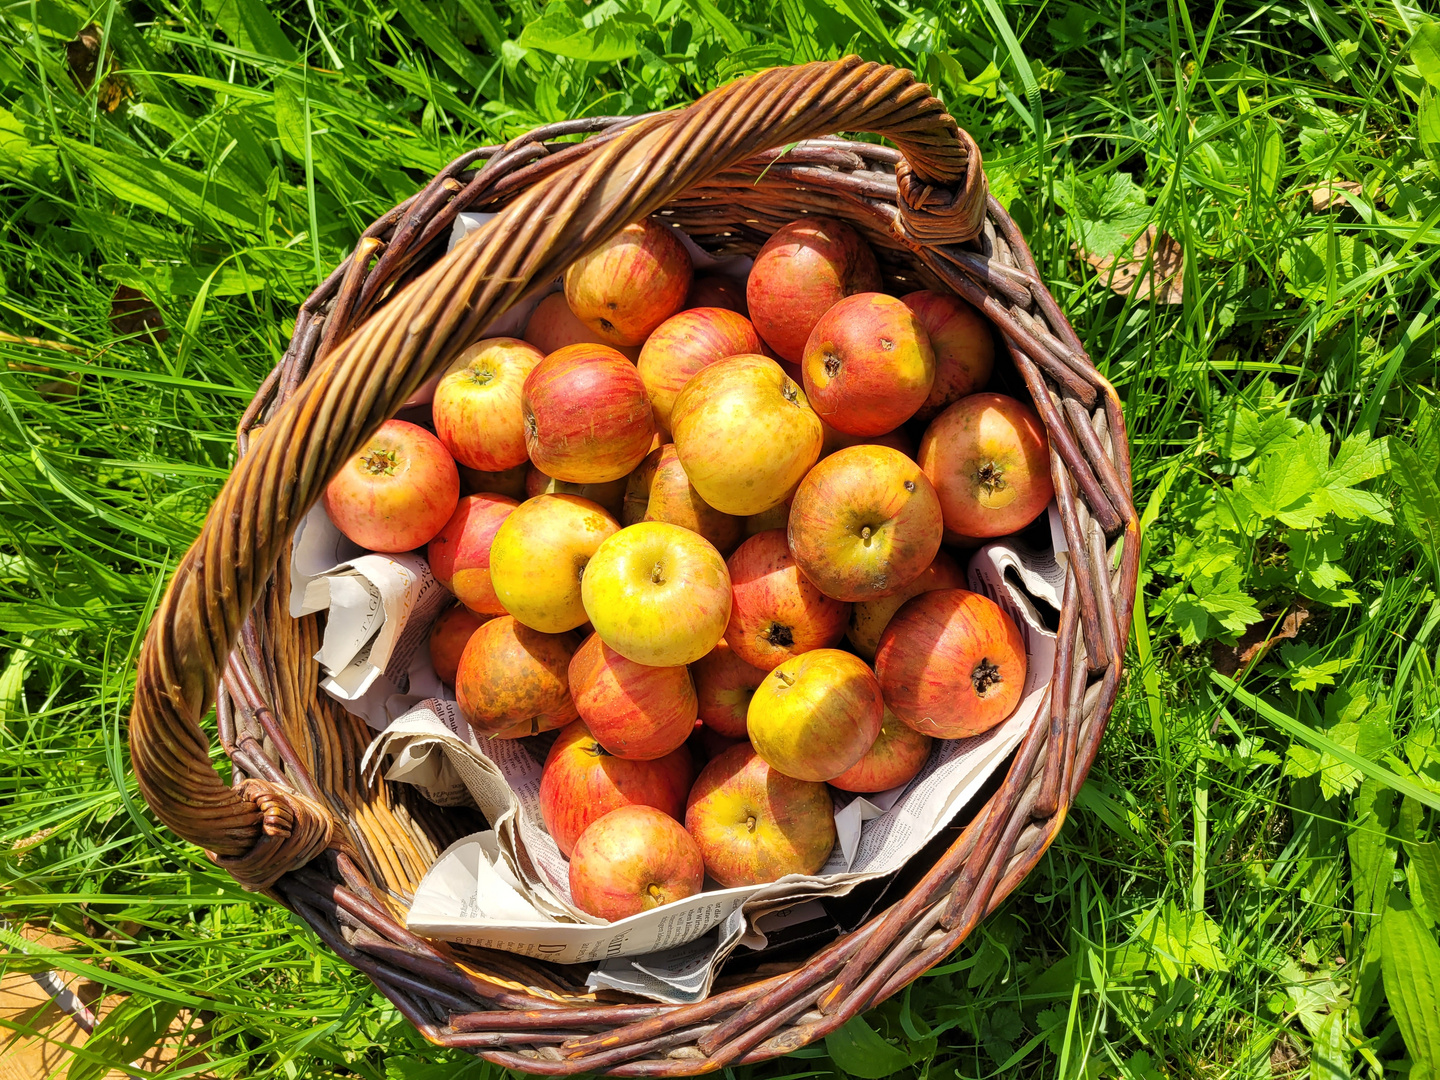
point(697, 524)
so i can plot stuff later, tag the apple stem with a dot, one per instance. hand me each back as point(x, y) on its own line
point(790, 392)
point(865, 535)
point(657, 574)
point(750, 823)
point(380, 462)
point(654, 891)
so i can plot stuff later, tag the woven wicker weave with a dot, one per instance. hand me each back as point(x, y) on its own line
point(298, 821)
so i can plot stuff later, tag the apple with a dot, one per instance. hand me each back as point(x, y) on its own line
point(801, 272)
point(636, 712)
point(448, 638)
point(459, 555)
point(582, 781)
point(899, 753)
point(963, 343)
point(657, 594)
point(716, 290)
point(587, 419)
point(864, 523)
point(951, 664)
point(539, 555)
point(838, 440)
point(631, 860)
point(816, 714)
point(510, 482)
point(610, 495)
point(631, 283)
point(397, 492)
point(685, 343)
point(745, 434)
point(989, 459)
point(775, 612)
point(724, 684)
point(514, 681)
point(553, 325)
point(477, 404)
point(755, 825)
point(659, 490)
point(869, 618)
point(868, 365)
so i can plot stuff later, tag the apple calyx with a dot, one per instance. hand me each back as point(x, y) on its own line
point(985, 677)
point(481, 374)
point(991, 477)
point(596, 750)
point(832, 364)
point(779, 635)
point(379, 462)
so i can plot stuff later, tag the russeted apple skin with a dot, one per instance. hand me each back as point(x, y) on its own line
point(754, 824)
point(801, 272)
point(514, 681)
point(582, 782)
point(449, 635)
point(951, 664)
point(775, 612)
point(634, 859)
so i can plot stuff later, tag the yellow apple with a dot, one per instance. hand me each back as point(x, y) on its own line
point(745, 434)
point(658, 594)
point(816, 715)
point(539, 555)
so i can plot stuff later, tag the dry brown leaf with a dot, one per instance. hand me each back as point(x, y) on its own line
point(1128, 275)
point(1329, 193)
point(83, 57)
point(132, 312)
point(1253, 644)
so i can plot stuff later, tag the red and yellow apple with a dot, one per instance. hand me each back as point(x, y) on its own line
point(631, 283)
point(951, 664)
point(657, 594)
point(989, 459)
point(610, 495)
point(869, 618)
point(816, 714)
point(539, 555)
point(755, 825)
point(963, 343)
point(775, 612)
point(659, 490)
point(631, 860)
point(587, 418)
point(459, 555)
point(745, 434)
point(898, 754)
point(582, 781)
point(514, 681)
point(477, 404)
point(636, 712)
point(397, 492)
point(448, 638)
point(552, 326)
point(868, 365)
point(864, 523)
point(801, 272)
point(685, 343)
point(724, 684)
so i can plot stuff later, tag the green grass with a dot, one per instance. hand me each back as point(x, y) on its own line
point(1212, 907)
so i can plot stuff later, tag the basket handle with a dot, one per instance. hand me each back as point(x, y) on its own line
point(259, 830)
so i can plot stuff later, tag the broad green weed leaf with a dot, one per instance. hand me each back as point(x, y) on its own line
point(1321, 263)
point(563, 34)
point(1425, 51)
point(1423, 872)
point(1309, 668)
point(442, 40)
point(858, 1049)
point(22, 160)
point(1372, 854)
point(1330, 1052)
point(183, 194)
point(728, 32)
point(1410, 967)
point(863, 14)
point(12, 686)
point(249, 25)
point(1102, 214)
point(1427, 124)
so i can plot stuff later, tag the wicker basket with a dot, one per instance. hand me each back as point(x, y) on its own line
point(299, 823)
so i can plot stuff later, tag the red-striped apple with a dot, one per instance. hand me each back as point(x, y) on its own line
point(477, 404)
point(775, 612)
point(397, 492)
point(587, 419)
point(631, 284)
point(631, 860)
point(459, 555)
point(868, 365)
